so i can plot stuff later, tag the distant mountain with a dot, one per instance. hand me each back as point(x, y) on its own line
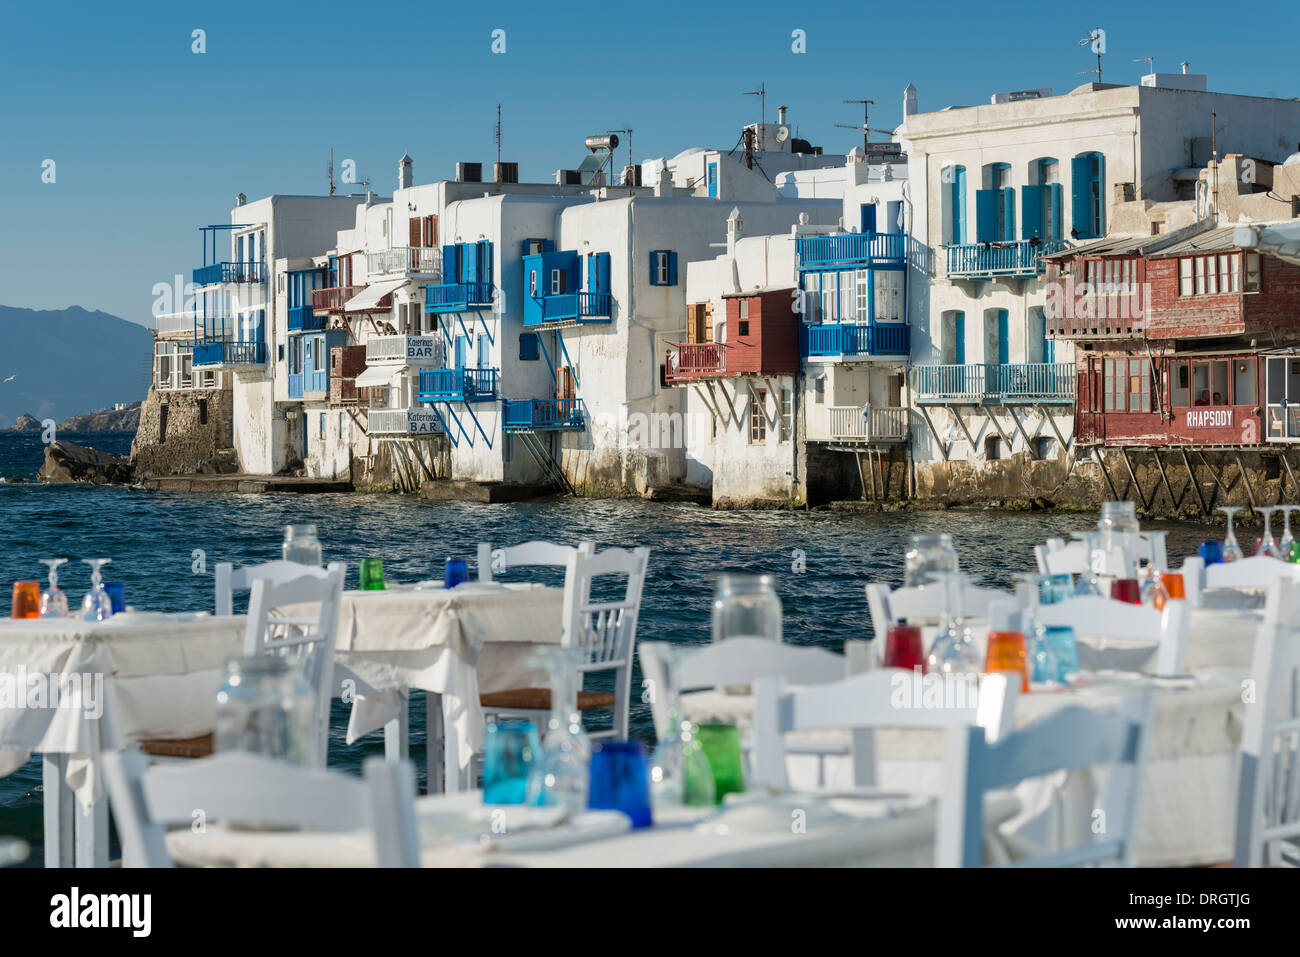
point(58, 363)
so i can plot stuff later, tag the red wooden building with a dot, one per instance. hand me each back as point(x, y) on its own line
point(760, 337)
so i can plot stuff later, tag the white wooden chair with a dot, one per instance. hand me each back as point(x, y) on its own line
point(924, 602)
point(227, 579)
point(738, 661)
point(1059, 557)
point(883, 698)
point(251, 788)
point(1254, 572)
point(310, 638)
point(1268, 796)
point(606, 630)
point(1094, 615)
point(1067, 740)
point(493, 561)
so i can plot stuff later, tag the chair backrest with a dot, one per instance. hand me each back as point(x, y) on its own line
point(1094, 615)
point(605, 628)
point(535, 553)
point(309, 638)
point(738, 661)
point(1268, 796)
point(883, 698)
point(250, 788)
point(228, 579)
point(1066, 740)
point(925, 601)
point(1257, 571)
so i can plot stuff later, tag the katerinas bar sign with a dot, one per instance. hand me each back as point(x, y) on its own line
point(1209, 418)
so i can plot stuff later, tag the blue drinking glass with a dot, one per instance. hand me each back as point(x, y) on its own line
point(509, 749)
point(1212, 552)
point(1056, 588)
point(457, 572)
point(620, 780)
point(116, 595)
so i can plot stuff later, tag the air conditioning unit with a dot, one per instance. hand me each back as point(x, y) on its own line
point(469, 172)
point(568, 177)
point(506, 172)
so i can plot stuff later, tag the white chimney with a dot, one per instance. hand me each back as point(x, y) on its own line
point(909, 100)
point(405, 175)
point(780, 115)
point(1186, 66)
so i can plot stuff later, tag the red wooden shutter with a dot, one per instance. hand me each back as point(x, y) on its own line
point(415, 239)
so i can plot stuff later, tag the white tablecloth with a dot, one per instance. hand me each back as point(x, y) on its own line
point(1189, 795)
point(852, 832)
point(456, 642)
point(165, 669)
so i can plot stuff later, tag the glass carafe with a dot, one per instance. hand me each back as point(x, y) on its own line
point(953, 651)
point(745, 606)
point(928, 557)
point(266, 706)
point(301, 545)
point(1118, 528)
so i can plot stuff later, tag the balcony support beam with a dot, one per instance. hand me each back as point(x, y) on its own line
point(1105, 473)
point(993, 418)
point(925, 413)
point(709, 404)
point(1174, 501)
point(1046, 414)
point(730, 406)
point(1250, 492)
point(1191, 477)
point(1020, 426)
point(559, 338)
point(956, 413)
point(1128, 463)
point(1287, 465)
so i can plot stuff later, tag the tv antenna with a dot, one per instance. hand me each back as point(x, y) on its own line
point(331, 171)
point(1096, 39)
point(1150, 61)
point(498, 134)
point(761, 93)
point(865, 128)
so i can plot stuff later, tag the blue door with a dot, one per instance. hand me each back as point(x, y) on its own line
point(1004, 346)
point(713, 180)
point(462, 351)
point(959, 339)
point(868, 214)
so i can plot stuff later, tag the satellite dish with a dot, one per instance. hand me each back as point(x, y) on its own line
point(782, 134)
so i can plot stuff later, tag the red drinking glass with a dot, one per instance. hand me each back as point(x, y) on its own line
point(1126, 589)
point(903, 647)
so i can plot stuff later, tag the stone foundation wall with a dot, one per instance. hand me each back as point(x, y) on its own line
point(613, 472)
point(189, 445)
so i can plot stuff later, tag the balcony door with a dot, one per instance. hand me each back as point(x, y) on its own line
point(462, 351)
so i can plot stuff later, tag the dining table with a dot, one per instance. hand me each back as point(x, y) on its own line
point(754, 829)
point(70, 689)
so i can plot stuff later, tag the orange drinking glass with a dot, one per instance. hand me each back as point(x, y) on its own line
point(1174, 585)
point(1006, 652)
point(27, 600)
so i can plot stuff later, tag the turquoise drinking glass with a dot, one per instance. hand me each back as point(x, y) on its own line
point(509, 749)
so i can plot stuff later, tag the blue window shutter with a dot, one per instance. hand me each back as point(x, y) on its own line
point(1008, 204)
point(528, 346)
point(484, 254)
point(1004, 336)
point(654, 267)
point(959, 335)
point(602, 271)
point(462, 351)
point(449, 273)
point(986, 215)
point(672, 269)
point(1080, 190)
point(1054, 203)
point(1031, 212)
point(868, 213)
point(713, 180)
point(960, 232)
point(469, 262)
point(1099, 176)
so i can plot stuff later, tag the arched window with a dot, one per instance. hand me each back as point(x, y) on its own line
point(997, 337)
point(952, 338)
point(1087, 196)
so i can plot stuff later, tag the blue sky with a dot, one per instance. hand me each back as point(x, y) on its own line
point(152, 140)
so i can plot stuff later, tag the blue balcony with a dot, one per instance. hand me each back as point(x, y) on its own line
point(532, 415)
point(583, 307)
point(979, 384)
point(458, 296)
point(215, 273)
point(849, 340)
point(226, 352)
point(881, 248)
point(458, 385)
point(302, 319)
point(1013, 260)
point(295, 385)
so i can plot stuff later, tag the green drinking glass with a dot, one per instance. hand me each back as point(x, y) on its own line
point(721, 745)
point(1295, 551)
point(372, 574)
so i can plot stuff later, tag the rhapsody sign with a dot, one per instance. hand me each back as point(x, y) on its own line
point(1209, 418)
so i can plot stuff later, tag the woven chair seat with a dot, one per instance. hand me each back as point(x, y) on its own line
point(200, 747)
point(539, 699)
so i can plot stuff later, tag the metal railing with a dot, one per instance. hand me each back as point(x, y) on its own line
point(851, 339)
point(229, 352)
point(451, 296)
point(176, 323)
point(303, 319)
point(412, 350)
point(402, 422)
point(869, 424)
point(424, 261)
point(526, 415)
point(973, 382)
point(1011, 258)
point(852, 247)
point(214, 273)
point(576, 306)
point(458, 385)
